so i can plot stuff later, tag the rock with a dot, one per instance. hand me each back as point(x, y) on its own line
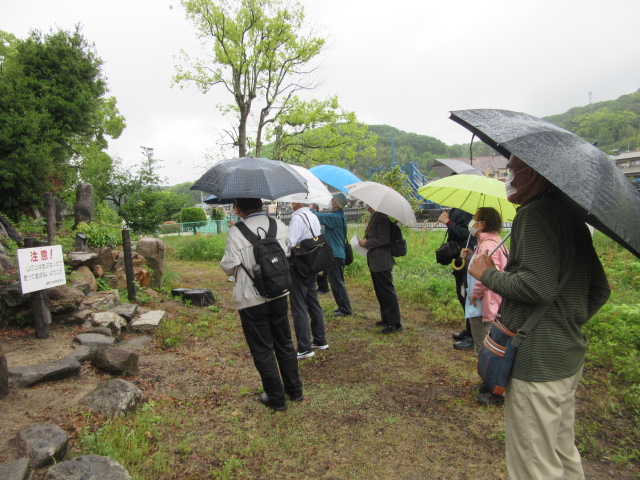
point(16, 470)
point(94, 340)
point(120, 277)
point(83, 209)
point(88, 467)
point(101, 301)
point(27, 376)
point(98, 271)
point(12, 295)
point(77, 317)
point(84, 275)
point(137, 260)
point(142, 276)
point(136, 344)
point(115, 360)
point(79, 259)
point(109, 319)
point(114, 398)
point(148, 322)
point(199, 297)
point(111, 281)
point(43, 443)
point(82, 353)
point(106, 331)
point(126, 310)
point(63, 299)
point(105, 259)
point(153, 250)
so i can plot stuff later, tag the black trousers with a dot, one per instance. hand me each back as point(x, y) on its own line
point(338, 287)
point(266, 329)
point(387, 297)
point(460, 276)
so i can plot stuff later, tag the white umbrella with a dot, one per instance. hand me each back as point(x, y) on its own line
point(318, 193)
point(383, 199)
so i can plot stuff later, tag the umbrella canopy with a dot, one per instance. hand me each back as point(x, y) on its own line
point(449, 166)
point(318, 193)
point(468, 193)
point(249, 177)
point(383, 199)
point(213, 200)
point(337, 177)
point(573, 165)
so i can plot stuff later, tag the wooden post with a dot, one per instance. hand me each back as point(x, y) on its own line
point(128, 265)
point(39, 302)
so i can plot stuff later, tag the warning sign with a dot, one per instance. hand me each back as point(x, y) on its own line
point(41, 267)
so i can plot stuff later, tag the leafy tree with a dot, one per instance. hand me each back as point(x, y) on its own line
point(193, 214)
point(185, 188)
point(218, 214)
point(126, 182)
point(53, 109)
point(259, 53)
point(605, 126)
point(146, 209)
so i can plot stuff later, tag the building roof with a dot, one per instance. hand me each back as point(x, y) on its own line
point(491, 163)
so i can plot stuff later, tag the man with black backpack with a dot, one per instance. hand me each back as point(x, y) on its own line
point(256, 255)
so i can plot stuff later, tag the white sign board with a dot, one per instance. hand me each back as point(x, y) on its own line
point(41, 267)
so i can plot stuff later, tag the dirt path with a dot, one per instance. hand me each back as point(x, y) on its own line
point(421, 423)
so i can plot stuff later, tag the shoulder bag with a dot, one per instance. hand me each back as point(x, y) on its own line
point(312, 255)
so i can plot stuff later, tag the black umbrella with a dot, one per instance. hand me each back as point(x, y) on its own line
point(249, 177)
point(580, 170)
point(213, 200)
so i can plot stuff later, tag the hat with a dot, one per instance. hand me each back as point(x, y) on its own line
point(340, 199)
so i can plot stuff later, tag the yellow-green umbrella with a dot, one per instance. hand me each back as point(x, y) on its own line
point(468, 193)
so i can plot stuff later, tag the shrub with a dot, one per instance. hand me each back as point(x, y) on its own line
point(100, 234)
point(192, 214)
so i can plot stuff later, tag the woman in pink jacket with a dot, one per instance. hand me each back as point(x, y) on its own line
point(482, 304)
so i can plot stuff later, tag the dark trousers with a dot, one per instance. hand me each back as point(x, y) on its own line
point(387, 297)
point(266, 329)
point(323, 282)
point(460, 277)
point(303, 297)
point(339, 289)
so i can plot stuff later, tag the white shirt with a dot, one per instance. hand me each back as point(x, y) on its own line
point(299, 228)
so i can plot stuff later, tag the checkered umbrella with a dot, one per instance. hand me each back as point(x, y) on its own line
point(249, 177)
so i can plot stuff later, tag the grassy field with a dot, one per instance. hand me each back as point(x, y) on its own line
point(376, 406)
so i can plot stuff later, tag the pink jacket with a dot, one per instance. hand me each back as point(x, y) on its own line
point(490, 300)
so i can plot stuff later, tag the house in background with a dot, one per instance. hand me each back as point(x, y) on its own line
point(629, 165)
point(493, 166)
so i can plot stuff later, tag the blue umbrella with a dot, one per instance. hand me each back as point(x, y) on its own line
point(335, 176)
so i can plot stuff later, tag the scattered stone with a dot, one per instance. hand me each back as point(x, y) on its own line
point(16, 470)
point(101, 301)
point(88, 467)
point(12, 295)
point(136, 344)
point(120, 278)
point(64, 299)
point(126, 310)
point(105, 259)
point(94, 340)
point(84, 275)
point(43, 443)
point(82, 353)
point(109, 319)
point(30, 375)
point(142, 276)
point(106, 331)
point(153, 250)
point(199, 297)
point(114, 398)
point(79, 259)
point(98, 271)
point(151, 293)
point(77, 317)
point(115, 360)
point(148, 322)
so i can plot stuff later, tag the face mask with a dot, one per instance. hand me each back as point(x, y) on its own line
point(472, 229)
point(510, 189)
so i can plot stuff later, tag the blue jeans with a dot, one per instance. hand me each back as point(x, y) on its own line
point(338, 288)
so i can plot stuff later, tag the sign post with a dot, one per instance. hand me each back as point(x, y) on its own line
point(41, 267)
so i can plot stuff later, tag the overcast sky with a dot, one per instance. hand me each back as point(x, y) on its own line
point(404, 63)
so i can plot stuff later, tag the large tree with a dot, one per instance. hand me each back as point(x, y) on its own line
point(53, 111)
point(259, 53)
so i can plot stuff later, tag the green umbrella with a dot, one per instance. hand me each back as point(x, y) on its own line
point(468, 193)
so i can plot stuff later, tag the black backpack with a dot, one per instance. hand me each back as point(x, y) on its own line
point(398, 245)
point(271, 275)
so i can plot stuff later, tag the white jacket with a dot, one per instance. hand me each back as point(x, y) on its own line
point(239, 251)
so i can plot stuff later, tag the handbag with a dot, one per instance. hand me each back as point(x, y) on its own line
point(348, 249)
point(448, 252)
point(312, 255)
point(500, 346)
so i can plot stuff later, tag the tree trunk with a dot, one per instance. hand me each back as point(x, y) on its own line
point(12, 232)
point(50, 212)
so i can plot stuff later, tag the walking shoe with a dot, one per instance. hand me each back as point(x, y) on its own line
point(381, 323)
point(466, 344)
point(462, 335)
point(490, 399)
point(317, 346)
point(264, 399)
point(340, 314)
point(296, 396)
point(307, 354)
point(481, 388)
point(392, 329)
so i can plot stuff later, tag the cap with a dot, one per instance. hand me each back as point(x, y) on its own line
point(340, 199)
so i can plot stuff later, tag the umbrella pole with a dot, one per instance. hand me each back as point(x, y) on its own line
point(500, 244)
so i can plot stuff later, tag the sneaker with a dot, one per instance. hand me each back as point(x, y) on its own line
point(231, 279)
point(307, 354)
point(466, 344)
point(392, 329)
point(382, 323)
point(296, 396)
point(317, 346)
point(490, 399)
point(264, 399)
point(340, 314)
point(462, 335)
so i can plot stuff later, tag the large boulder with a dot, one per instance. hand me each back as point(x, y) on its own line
point(43, 443)
point(98, 301)
point(82, 275)
point(64, 299)
point(79, 259)
point(114, 398)
point(153, 250)
point(115, 360)
point(88, 467)
point(106, 259)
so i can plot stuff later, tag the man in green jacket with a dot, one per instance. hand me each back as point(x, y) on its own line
point(549, 240)
point(335, 231)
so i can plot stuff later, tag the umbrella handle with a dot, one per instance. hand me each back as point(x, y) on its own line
point(453, 264)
